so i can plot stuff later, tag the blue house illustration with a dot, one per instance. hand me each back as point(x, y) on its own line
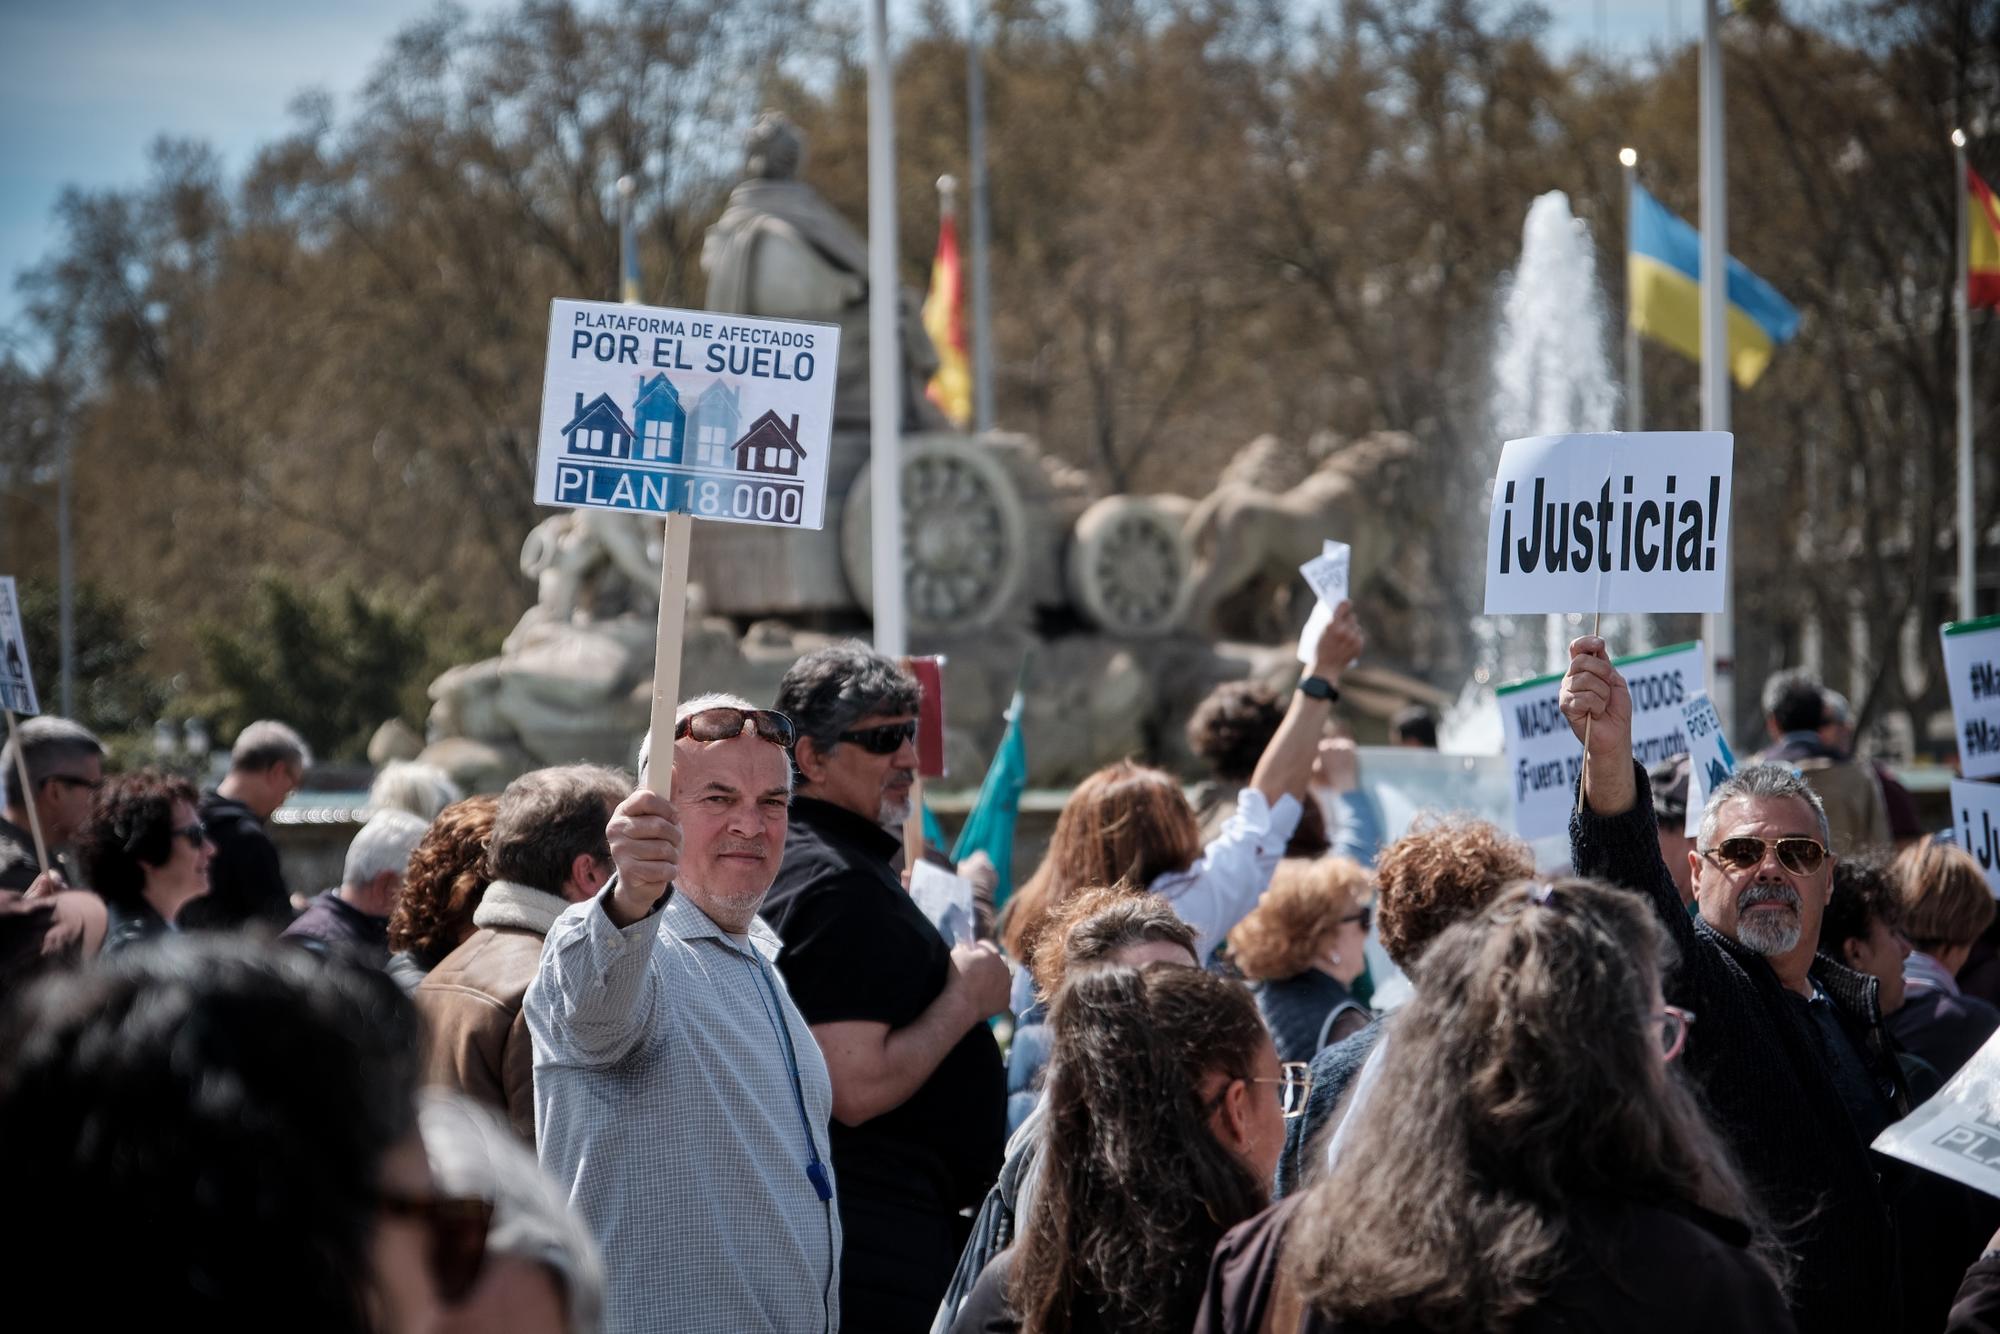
point(712, 424)
point(770, 446)
point(660, 420)
point(599, 430)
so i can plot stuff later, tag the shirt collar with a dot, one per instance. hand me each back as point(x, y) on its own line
point(837, 824)
point(687, 921)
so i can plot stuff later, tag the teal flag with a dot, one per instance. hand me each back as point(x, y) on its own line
point(990, 826)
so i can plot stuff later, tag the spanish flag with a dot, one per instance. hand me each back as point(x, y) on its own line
point(944, 321)
point(1663, 267)
point(1982, 243)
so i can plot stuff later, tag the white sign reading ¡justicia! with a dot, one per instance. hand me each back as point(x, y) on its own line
point(1610, 522)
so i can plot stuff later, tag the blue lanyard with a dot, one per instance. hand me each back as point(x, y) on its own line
point(774, 1011)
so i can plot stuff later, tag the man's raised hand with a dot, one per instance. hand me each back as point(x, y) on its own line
point(645, 838)
point(1599, 707)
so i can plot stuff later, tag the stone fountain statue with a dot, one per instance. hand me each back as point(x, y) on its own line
point(1008, 554)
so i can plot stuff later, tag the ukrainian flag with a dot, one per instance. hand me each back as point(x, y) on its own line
point(1663, 268)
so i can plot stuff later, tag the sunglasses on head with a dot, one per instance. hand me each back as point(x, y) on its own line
point(884, 740)
point(457, 1228)
point(726, 723)
point(1744, 852)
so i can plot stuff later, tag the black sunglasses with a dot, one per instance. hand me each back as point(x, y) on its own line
point(196, 834)
point(725, 723)
point(884, 740)
point(1799, 855)
point(1365, 916)
point(457, 1229)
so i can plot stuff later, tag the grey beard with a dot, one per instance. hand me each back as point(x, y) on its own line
point(1768, 935)
point(892, 813)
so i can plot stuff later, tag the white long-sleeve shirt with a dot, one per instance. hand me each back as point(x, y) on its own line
point(1234, 870)
point(674, 1111)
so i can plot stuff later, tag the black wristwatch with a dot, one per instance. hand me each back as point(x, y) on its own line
point(1318, 687)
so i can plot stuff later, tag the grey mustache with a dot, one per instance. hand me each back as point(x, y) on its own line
point(1757, 894)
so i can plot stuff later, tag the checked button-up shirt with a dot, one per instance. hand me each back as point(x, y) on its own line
point(671, 1107)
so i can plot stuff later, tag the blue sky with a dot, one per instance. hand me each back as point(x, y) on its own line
point(86, 85)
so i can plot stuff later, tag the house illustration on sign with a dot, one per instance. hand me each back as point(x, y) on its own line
point(599, 430)
point(659, 420)
point(770, 446)
point(712, 424)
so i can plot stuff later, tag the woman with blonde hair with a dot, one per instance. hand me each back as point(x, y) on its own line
point(1302, 949)
point(1946, 907)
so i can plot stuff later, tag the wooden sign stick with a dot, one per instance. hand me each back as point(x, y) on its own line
point(667, 653)
point(913, 828)
point(27, 793)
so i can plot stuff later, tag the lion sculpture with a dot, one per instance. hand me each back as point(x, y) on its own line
point(1249, 542)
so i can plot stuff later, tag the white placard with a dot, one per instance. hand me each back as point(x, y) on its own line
point(1957, 1132)
point(1710, 760)
point(1326, 574)
point(17, 676)
point(659, 411)
point(944, 898)
point(1544, 756)
point(1975, 826)
point(1972, 666)
point(1612, 522)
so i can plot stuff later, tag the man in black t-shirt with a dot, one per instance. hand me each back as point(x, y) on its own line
point(919, 1091)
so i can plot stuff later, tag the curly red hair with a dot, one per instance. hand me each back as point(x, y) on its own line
point(1443, 871)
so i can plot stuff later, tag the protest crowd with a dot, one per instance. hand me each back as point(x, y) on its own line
point(600, 1054)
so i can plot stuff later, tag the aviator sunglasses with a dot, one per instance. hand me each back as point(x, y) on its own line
point(726, 723)
point(1744, 852)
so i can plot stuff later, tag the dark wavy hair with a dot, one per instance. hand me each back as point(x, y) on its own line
point(130, 827)
point(1232, 725)
point(1864, 892)
point(208, 1120)
point(1523, 1080)
point(446, 879)
point(1135, 1189)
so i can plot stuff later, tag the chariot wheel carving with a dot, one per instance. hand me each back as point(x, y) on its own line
point(964, 536)
point(1128, 566)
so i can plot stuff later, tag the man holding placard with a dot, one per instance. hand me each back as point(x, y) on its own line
point(1789, 1050)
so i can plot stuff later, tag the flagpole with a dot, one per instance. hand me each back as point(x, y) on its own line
point(982, 292)
point(1968, 565)
point(885, 359)
point(1635, 385)
point(628, 244)
point(1718, 630)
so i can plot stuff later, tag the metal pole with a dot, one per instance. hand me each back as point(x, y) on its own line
point(628, 244)
point(1718, 630)
point(1968, 549)
point(65, 574)
point(885, 360)
point(982, 291)
point(1635, 381)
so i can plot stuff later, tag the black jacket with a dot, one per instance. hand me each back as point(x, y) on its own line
point(1646, 1269)
point(244, 882)
point(131, 926)
point(1756, 1064)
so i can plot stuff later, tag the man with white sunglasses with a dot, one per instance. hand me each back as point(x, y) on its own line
point(1789, 1051)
